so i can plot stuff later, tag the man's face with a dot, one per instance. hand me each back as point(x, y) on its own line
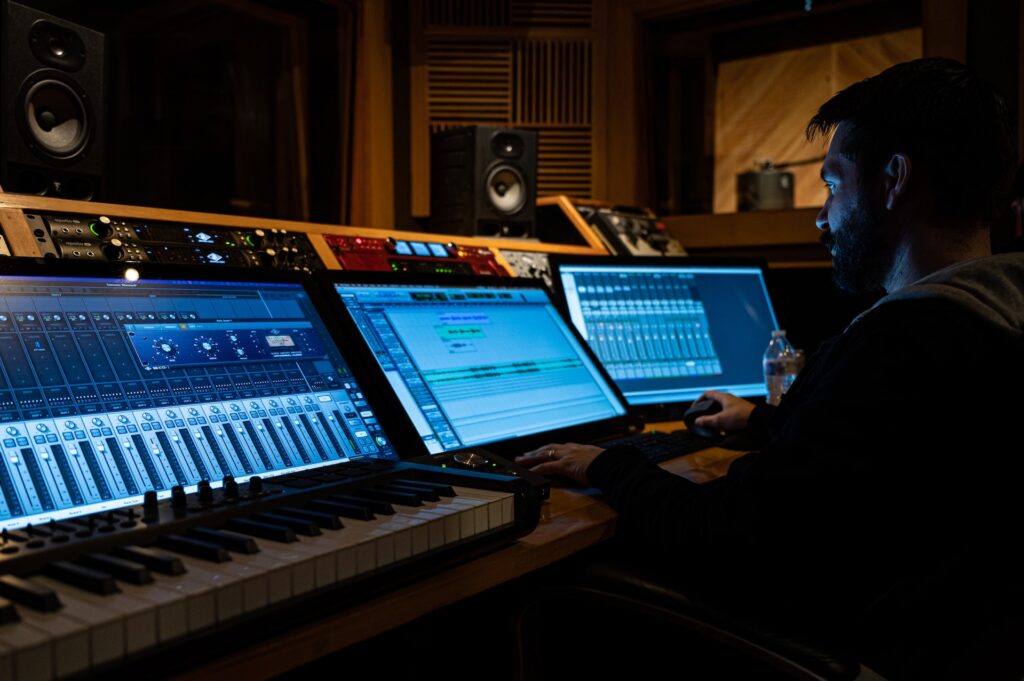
point(852, 222)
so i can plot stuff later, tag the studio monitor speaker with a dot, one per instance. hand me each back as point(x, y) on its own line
point(483, 181)
point(51, 100)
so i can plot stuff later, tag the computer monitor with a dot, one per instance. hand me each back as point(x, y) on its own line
point(477, 362)
point(667, 329)
point(113, 386)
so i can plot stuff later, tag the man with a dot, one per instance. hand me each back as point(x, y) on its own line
point(884, 503)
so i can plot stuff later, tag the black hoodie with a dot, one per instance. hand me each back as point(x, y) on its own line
point(884, 508)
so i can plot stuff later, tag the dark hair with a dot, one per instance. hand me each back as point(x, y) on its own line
point(951, 124)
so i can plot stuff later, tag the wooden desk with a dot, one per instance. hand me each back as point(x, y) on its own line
point(571, 521)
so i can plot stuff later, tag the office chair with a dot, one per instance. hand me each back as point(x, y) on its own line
point(614, 617)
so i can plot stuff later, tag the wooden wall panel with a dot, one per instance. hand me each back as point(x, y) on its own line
point(517, 63)
point(762, 106)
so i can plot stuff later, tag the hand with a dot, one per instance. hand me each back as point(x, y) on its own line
point(569, 460)
point(734, 415)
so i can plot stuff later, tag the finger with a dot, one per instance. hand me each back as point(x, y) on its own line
point(549, 468)
point(540, 452)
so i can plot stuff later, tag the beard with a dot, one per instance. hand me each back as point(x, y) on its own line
point(858, 265)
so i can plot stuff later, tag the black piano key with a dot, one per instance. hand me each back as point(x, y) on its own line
point(193, 453)
point(35, 596)
point(34, 472)
point(281, 450)
point(172, 458)
point(232, 541)
point(314, 439)
point(197, 548)
point(214, 446)
point(94, 468)
point(422, 493)
point(299, 446)
point(147, 462)
point(358, 511)
point(393, 497)
point(375, 505)
point(65, 472)
point(157, 561)
point(306, 528)
point(122, 466)
point(327, 521)
point(240, 452)
point(258, 444)
point(96, 581)
point(8, 613)
point(443, 489)
point(121, 568)
point(255, 528)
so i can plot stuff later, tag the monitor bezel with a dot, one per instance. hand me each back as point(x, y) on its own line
point(586, 432)
point(51, 268)
point(658, 411)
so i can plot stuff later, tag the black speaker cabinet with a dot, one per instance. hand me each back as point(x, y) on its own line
point(51, 100)
point(483, 181)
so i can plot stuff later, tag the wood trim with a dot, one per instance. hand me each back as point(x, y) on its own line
point(13, 205)
point(324, 252)
point(761, 228)
point(419, 114)
point(373, 176)
point(945, 28)
point(593, 239)
point(19, 237)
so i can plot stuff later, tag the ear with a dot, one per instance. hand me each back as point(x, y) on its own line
point(896, 179)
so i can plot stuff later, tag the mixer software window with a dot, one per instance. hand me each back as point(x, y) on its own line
point(479, 365)
point(109, 389)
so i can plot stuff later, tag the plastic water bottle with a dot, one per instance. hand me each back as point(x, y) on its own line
point(780, 366)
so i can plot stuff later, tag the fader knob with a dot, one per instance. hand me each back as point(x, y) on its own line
point(178, 498)
point(205, 493)
point(255, 484)
point(230, 487)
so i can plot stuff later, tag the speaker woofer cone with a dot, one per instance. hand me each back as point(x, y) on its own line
point(55, 119)
point(506, 190)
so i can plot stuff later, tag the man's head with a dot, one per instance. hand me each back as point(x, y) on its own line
point(922, 142)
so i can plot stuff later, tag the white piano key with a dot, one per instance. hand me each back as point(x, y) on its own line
point(30, 653)
point(170, 607)
point(106, 626)
point(199, 596)
point(70, 639)
point(6, 664)
point(138, 617)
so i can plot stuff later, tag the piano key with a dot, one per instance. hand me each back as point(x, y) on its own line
point(25, 592)
point(344, 509)
point(400, 498)
point(278, 533)
point(8, 613)
point(157, 561)
point(69, 645)
point(445, 490)
point(27, 652)
point(171, 608)
point(122, 569)
point(376, 505)
point(196, 548)
point(422, 493)
point(302, 527)
point(136, 618)
point(232, 541)
point(327, 521)
point(198, 595)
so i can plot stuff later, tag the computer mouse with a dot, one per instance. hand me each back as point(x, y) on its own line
point(698, 409)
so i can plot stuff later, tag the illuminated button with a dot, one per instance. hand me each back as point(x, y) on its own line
point(22, 441)
point(42, 428)
point(9, 442)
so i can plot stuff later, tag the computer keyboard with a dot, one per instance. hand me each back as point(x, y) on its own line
point(659, 446)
